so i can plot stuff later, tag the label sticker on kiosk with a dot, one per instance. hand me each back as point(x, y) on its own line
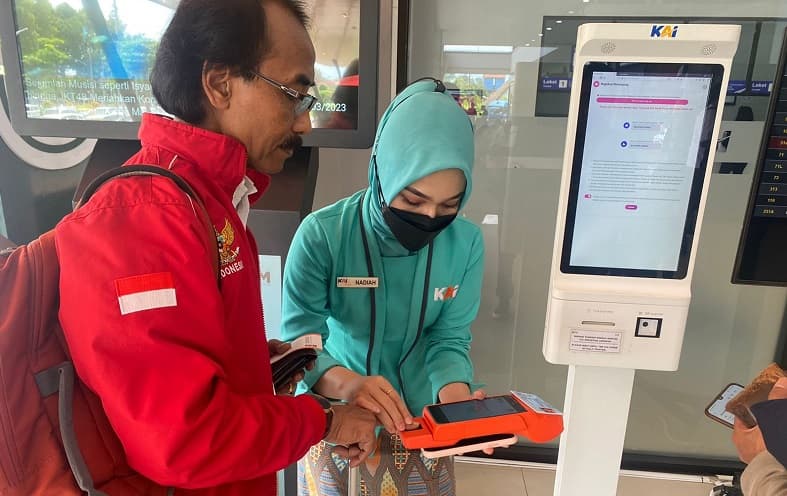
point(595, 341)
point(641, 152)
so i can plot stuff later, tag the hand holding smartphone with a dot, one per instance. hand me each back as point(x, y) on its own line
point(735, 400)
point(717, 409)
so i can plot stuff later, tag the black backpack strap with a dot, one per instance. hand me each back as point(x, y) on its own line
point(60, 379)
point(152, 170)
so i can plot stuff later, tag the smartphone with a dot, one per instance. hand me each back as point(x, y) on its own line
point(717, 408)
point(462, 411)
point(470, 445)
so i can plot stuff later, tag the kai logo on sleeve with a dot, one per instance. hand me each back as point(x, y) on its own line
point(443, 294)
point(662, 31)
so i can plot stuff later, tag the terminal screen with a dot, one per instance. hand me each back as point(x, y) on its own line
point(643, 137)
point(462, 411)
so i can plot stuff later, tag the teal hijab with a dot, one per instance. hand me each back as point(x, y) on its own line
point(423, 131)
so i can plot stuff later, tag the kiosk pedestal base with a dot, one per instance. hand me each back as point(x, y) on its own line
point(595, 417)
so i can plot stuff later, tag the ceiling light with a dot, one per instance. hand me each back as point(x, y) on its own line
point(549, 29)
point(478, 49)
point(559, 21)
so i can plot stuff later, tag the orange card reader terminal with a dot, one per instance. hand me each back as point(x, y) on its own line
point(520, 414)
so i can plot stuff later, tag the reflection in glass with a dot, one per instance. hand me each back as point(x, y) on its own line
point(3, 228)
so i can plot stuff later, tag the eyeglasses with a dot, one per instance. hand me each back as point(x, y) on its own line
point(305, 100)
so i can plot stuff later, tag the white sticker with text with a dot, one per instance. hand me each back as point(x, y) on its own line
point(595, 341)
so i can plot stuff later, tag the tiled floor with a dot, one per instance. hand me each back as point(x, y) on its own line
point(484, 479)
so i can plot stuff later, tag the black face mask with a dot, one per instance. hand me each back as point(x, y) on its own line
point(414, 231)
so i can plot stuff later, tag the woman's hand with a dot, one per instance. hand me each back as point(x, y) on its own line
point(377, 395)
point(459, 391)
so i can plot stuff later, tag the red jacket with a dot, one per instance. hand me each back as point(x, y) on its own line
point(181, 366)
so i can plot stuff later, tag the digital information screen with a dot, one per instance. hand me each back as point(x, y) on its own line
point(90, 60)
point(771, 199)
point(639, 163)
point(762, 250)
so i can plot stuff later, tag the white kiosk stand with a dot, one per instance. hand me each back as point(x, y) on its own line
point(643, 122)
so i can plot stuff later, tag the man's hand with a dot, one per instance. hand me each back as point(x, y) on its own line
point(749, 442)
point(377, 395)
point(352, 430)
point(289, 388)
point(779, 391)
point(276, 347)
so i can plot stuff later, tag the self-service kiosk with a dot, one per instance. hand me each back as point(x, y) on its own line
point(642, 129)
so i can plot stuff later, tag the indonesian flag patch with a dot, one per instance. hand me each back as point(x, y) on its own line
point(146, 292)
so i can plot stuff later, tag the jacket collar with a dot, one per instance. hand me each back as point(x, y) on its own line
point(216, 157)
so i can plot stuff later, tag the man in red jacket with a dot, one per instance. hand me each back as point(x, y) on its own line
point(181, 364)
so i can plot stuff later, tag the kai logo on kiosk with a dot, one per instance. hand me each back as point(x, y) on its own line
point(663, 31)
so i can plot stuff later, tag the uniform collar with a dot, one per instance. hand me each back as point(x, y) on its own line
point(218, 158)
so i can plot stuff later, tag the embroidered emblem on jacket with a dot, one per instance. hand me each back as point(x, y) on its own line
point(226, 240)
point(230, 264)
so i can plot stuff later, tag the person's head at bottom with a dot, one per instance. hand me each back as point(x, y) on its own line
point(420, 173)
point(242, 68)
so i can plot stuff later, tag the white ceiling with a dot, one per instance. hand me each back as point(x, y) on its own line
point(334, 29)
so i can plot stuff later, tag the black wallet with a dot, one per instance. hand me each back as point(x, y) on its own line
point(288, 366)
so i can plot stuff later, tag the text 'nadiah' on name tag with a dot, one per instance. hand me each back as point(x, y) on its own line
point(357, 282)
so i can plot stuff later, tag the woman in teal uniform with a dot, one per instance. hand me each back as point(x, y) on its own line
point(391, 278)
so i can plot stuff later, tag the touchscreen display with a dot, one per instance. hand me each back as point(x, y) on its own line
point(475, 409)
point(639, 162)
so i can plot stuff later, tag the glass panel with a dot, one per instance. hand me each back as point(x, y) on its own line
point(518, 100)
point(3, 229)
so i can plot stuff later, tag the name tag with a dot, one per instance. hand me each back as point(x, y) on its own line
point(357, 282)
